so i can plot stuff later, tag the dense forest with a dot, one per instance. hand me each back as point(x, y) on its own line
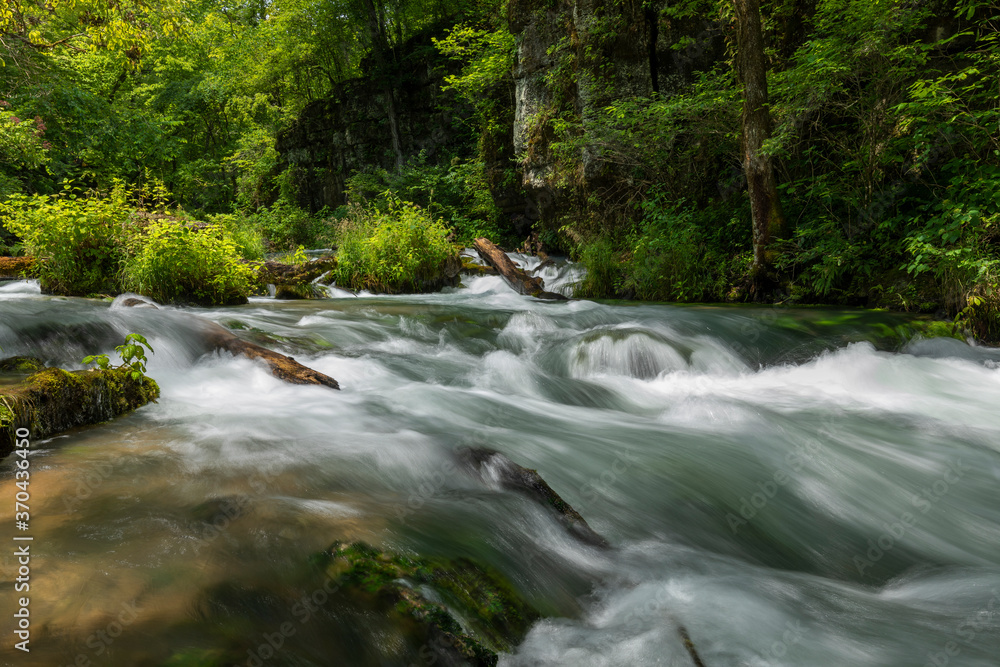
point(793, 151)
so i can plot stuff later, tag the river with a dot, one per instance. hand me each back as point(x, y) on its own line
point(786, 484)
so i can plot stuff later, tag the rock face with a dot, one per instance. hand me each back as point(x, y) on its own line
point(52, 400)
point(574, 58)
point(350, 130)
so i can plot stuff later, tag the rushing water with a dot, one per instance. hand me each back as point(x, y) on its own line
point(766, 477)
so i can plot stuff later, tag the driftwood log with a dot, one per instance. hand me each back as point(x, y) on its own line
point(282, 367)
point(518, 280)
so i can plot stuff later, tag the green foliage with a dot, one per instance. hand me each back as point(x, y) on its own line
point(132, 354)
point(455, 192)
point(246, 238)
point(180, 261)
point(663, 259)
point(286, 226)
point(488, 56)
point(297, 257)
point(77, 237)
point(668, 259)
point(400, 249)
point(605, 274)
point(21, 142)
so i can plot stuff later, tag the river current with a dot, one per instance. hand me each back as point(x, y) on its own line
point(784, 483)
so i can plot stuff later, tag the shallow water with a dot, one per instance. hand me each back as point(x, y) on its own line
point(769, 478)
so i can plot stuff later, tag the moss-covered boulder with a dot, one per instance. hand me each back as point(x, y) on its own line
point(16, 267)
point(295, 281)
point(52, 400)
point(21, 365)
point(455, 608)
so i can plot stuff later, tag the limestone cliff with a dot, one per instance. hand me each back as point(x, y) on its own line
point(350, 130)
point(575, 57)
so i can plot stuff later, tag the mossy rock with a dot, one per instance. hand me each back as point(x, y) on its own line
point(295, 281)
point(469, 267)
point(291, 291)
point(53, 400)
point(886, 337)
point(478, 615)
point(21, 365)
point(16, 267)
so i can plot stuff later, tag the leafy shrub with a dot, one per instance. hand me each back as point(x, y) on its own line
point(604, 269)
point(78, 240)
point(401, 249)
point(286, 226)
point(456, 192)
point(181, 261)
point(668, 261)
point(248, 240)
point(664, 259)
point(132, 355)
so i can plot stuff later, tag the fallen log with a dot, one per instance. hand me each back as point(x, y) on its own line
point(518, 280)
point(490, 464)
point(282, 367)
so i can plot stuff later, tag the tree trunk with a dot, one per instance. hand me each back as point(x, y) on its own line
point(381, 53)
point(397, 147)
point(765, 207)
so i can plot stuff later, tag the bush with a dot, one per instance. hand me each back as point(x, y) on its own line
point(179, 261)
point(456, 192)
point(668, 261)
point(78, 240)
point(246, 238)
point(665, 258)
point(285, 226)
point(604, 269)
point(403, 249)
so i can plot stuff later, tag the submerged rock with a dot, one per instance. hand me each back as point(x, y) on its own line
point(461, 612)
point(492, 465)
point(53, 400)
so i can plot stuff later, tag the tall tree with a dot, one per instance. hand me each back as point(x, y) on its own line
point(765, 205)
point(382, 54)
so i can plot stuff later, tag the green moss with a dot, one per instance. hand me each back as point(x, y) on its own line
point(496, 617)
point(470, 267)
point(54, 400)
point(20, 365)
point(887, 337)
point(194, 657)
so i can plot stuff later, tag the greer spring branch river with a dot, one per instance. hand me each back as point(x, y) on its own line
point(791, 486)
